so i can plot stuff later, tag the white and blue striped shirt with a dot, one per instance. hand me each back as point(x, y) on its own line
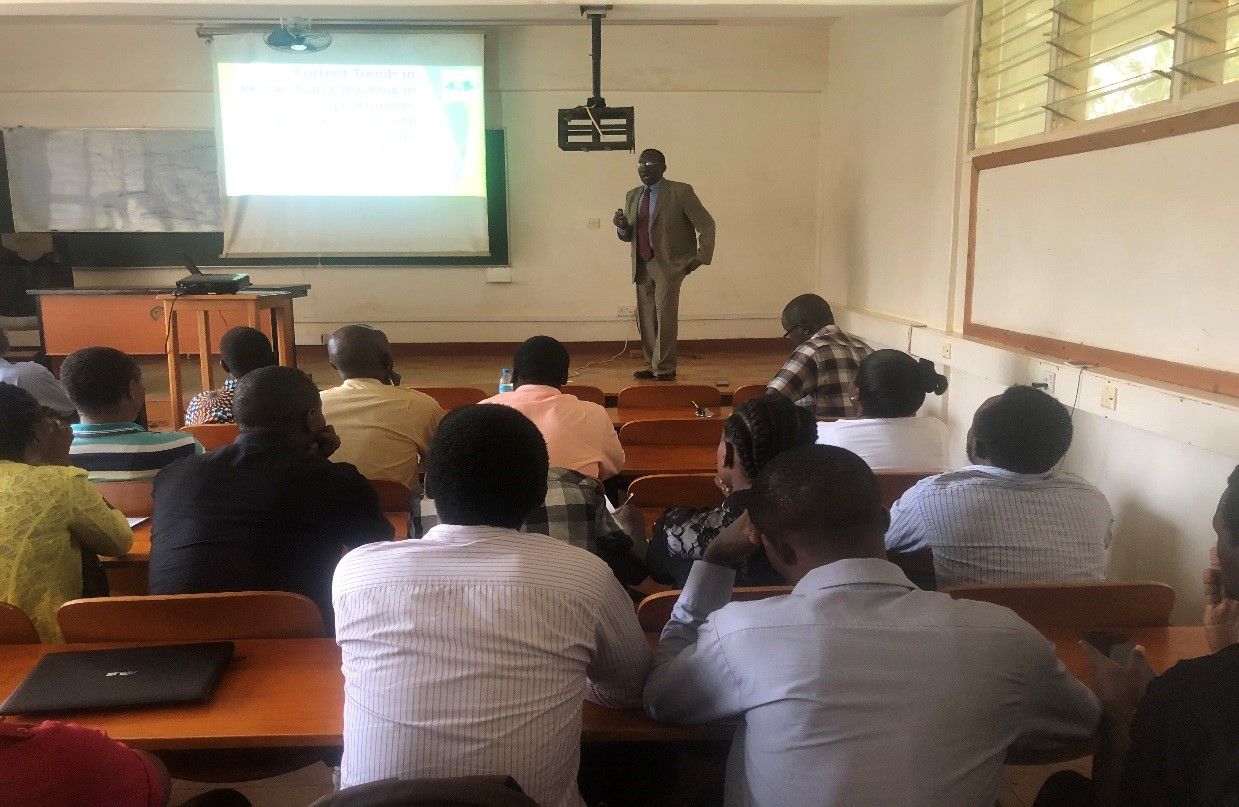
point(989, 525)
point(470, 651)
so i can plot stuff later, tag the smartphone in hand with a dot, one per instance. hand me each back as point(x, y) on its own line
point(1117, 647)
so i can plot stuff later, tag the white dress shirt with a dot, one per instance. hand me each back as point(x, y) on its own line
point(859, 689)
point(39, 382)
point(470, 652)
point(890, 444)
point(989, 525)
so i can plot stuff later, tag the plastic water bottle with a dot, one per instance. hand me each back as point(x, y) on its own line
point(505, 380)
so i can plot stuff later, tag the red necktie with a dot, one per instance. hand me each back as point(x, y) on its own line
point(644, 248)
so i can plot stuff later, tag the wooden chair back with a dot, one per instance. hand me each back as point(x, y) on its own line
point(669, 396)
point(15, 626)
point(134, 499)
point(214, 435)
point(893, 485)
point(653, 494)
point(450, 398)
point(654, 612)
point(191, 617)
point(586, 393)
point(689, 432)
point(747, 393)
point(1080, 606)
point(393, 496)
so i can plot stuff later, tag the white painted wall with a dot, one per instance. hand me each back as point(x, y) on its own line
point(892, 112)
point(736, 107)
point(1162, 457)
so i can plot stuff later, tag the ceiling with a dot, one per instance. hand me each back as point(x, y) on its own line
point(490, 11)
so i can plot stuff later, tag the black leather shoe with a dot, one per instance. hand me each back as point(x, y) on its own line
point(644, 375)
point(665, 377)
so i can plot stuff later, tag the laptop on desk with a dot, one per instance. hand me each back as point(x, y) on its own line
point(97, 680)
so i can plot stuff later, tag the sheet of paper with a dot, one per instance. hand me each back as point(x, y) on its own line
point(133, 522)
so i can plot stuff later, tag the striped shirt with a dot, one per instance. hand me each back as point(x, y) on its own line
point(989, 525)
point(469, 653)
point(120, 452)
point(820, 371)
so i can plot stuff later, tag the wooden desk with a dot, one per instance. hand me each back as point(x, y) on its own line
point(128, 318)
point(289, 693)
point(1163, 646)
point(630, 413)
point(640, 460)
point(243, 307)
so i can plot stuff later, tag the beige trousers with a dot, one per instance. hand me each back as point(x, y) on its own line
point(658, 309)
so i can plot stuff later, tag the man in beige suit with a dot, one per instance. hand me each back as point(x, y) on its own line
point(672, 234)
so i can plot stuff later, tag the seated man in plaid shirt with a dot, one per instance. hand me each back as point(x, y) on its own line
point(819, 373)
point(575, 512)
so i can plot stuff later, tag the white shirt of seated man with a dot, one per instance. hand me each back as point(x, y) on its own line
point(470, 651)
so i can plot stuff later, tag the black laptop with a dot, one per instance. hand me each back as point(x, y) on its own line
point(96, 680)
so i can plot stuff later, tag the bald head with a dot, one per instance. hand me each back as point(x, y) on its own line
point(359, 351)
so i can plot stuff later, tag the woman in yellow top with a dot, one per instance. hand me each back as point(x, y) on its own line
point(49, 513)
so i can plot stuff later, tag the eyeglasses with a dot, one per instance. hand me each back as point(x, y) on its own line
point(651, 165)
point(788, 333)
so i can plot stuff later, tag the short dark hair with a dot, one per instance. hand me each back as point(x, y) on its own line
point(1026, 431)
point(817, 493)
point(243, 349)
point(761, 428)
point(892, 384)
point(487, 465)
point(1230, 513)
point(19, 412)
point(809, 310)
point(98, 377)
point(274, 397)
point(661, 157)
point(541, 360)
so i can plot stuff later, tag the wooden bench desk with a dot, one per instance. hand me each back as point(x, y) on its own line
point(627, 414)
point(641, 460)
point(289, 693)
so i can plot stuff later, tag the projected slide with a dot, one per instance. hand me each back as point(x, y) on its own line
point(351, 129)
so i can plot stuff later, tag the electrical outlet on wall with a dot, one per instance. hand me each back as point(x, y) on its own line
point(593, 224)
point(1046, 384)
point(946, 350)
point(1110, 397)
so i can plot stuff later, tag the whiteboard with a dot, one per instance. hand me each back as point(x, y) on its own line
point(113, 180)
point(1133, 248)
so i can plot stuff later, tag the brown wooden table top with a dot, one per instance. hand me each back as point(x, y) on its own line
point(1163, 646)
point(627, 414)
point(640, 460)
point(140, 552)
point(289, 693)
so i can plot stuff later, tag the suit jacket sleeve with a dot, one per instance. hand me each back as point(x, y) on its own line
point(702, 222)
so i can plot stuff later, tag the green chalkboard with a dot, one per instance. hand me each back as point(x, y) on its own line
point(169, 249)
